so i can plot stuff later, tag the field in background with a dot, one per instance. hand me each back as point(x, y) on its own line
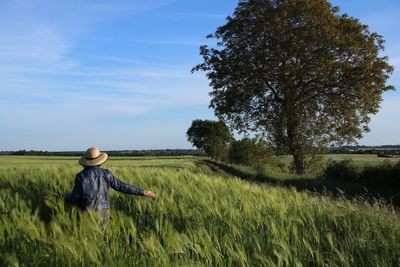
point(362, 159)
point(201, 218)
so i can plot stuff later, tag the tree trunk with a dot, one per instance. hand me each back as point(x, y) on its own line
point(295, 142)
point(298, 158)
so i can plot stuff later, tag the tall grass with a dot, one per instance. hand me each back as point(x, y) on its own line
point(198, 220)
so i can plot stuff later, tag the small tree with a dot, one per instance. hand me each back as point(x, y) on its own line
point(213, 137)
point(298, 72)
point(251, 152)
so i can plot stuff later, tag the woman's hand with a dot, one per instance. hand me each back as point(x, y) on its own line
point(149, 194)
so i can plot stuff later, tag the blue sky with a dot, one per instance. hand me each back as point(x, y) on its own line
point(116, 74)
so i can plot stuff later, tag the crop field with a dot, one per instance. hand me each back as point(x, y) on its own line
point(198, 219)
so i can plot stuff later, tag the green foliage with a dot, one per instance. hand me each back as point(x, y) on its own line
point(313, 164)
point(197, 220)
point(379, 177)
point(251, 152)
point(386, 173)
point(212, 136)
point(343, 170)
point(297, 71)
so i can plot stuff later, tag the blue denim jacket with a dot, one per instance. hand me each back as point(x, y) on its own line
point(91, 187)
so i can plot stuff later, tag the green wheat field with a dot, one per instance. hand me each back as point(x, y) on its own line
point(198, 219)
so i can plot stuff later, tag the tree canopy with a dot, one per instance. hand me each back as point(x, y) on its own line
point(296, 71)
point(213, 137)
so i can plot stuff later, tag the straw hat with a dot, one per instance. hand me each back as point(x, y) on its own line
point(93, 157)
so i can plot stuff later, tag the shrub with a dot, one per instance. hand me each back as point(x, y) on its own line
point(343, 170)
point(218, 152)
point(251, 152)
point(313, 164)
point(386, 173)
point(383, 174)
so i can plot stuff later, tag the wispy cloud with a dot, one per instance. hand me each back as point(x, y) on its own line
point(37, 57)
point(47, 85)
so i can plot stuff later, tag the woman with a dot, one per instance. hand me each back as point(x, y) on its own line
point(91, 187)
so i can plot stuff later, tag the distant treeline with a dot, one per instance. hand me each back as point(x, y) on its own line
point(156, 152)
point(379, 150)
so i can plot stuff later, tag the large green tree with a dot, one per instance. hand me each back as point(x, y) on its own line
point(298, 72)
point(213, 137)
